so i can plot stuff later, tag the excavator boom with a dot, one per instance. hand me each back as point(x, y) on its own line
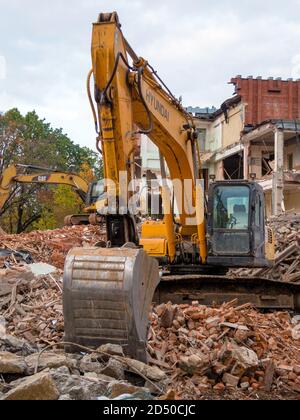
point(11, 177)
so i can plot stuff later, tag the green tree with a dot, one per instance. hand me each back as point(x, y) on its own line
point(30, 140)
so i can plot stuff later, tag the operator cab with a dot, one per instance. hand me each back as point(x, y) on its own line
point(95, 193)
point(236, 234)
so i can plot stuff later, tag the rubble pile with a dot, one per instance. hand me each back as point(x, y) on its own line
point(286, 228)
point(32, 304)
point(195, 351)
point(33, 363)
point(31, 301)
point(51, 246)
point(206, 349)
point(54, 375)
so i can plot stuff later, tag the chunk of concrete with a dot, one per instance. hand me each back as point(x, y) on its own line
point(65, 398)
point(150, 372)
point(114, 369)
point(295, 320)
point(296, 332)
point(11, 363)
point(87, 391)
point(37, 387)
point(230, 380)
point(78, 386)
point(115, 389)
point(14, 344)
point(49, 360)
point(192, 363)
point(41, 269)
point(112, 349)
point(88, 364)
point(245, 356)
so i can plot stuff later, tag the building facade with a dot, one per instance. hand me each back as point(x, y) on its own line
point(256, 133)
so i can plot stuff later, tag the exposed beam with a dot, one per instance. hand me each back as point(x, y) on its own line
point(278, 174)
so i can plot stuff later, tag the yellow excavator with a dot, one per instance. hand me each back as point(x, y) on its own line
point(14, 175)
point(108, 291)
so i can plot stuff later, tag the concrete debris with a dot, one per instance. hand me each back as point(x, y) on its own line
point(49, 360)
point(117, 389)
point(16, 345)
point(287, 258)
point(65, 398)
point(112, 349)
point(41, 269)
point(195, 351)
point(234, 326)
point(31, 305)
point(140, 395)
point(77, 387)
point(86, 392)
point(114, 369)
point(52, 246)
point(229, 348)
point(151, 372)
point(296, 332)
point(90, 364)
point(36, 387)
point(193, 363)
point(61, 377)
point(11, 363)
point(30, 295)
point(296, 320)
point(214, 356)
point(230, 380)
point(246, 357)
point(2, 327)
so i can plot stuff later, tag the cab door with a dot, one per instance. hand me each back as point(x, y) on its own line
point(258, 222)
point(230, 227)
point(235, 234)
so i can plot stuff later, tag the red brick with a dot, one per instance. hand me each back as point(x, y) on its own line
point(268, 99)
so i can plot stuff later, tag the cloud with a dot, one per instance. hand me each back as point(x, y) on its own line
point(196, 46)
point(2, 68)
point(296, 66)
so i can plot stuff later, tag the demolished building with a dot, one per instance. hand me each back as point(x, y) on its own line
point(256, 134)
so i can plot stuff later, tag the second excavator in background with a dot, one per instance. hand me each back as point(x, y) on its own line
point(15, 175)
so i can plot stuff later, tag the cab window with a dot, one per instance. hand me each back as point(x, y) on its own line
point(97, 190)
point(231, 207)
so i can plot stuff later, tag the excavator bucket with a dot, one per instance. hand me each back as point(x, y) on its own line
point(108, 293)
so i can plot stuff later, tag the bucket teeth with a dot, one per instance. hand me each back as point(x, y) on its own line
point(107, 298)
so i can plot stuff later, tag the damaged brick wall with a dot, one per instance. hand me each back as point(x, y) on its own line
point(268, 99)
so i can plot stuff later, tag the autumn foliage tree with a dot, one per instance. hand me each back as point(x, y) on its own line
point(30, 140)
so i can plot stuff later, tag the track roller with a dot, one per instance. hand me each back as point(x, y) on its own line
point(76, 220)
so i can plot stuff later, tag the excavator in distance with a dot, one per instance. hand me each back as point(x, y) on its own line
point(108, 290)
point(28, 174)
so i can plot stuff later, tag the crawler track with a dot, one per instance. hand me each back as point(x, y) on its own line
point(209, 289)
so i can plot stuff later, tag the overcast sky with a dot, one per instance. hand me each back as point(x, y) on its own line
point(196, 45)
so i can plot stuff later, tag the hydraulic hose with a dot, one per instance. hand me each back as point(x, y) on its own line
point(104, 96)
point(150, 128)
point(88, 86)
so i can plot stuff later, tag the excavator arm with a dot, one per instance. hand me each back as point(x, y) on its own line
point(129, 94)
